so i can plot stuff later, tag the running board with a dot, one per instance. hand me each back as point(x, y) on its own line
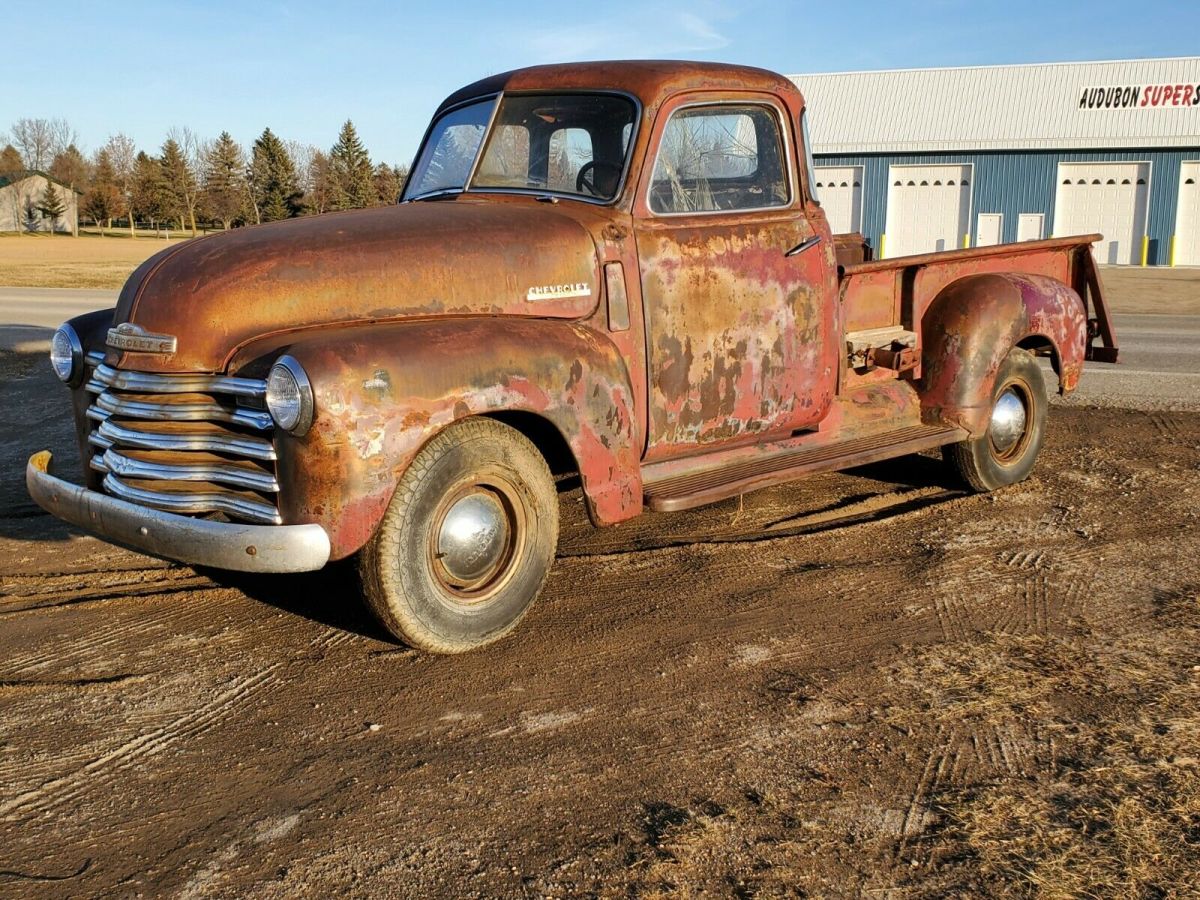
point(672, 494)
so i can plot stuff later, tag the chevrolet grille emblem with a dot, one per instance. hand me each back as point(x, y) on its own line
point(128, 336)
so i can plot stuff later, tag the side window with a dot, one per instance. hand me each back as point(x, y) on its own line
point(720, 157)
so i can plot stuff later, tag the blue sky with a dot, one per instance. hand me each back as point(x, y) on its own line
point(303, 68)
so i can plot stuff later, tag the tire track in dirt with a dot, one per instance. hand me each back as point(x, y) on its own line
point(939, 760)
point(70, 684)
point(99, 770)
point(73, 650)
point(1168, 425)
point(50, 588)
point(103, 595)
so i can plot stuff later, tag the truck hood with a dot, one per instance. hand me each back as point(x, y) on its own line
point(425, 259)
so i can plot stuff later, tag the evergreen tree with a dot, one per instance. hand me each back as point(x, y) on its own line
point(178, 182)
point(10, 161)
point(52, 205)
point(224, 179)
point(273, 188)
point(387, 185)
point(353, 174)
point(149, 191)
point(104, 200)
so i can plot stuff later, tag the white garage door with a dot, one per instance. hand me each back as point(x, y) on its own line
point(1110, 198)
point(1187, 220)
point(839, 188)
point(929, 208)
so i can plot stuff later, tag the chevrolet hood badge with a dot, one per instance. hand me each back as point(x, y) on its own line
point(128, 336)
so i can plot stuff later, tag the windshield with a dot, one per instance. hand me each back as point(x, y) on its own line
point(445, 160)
point(572, 144)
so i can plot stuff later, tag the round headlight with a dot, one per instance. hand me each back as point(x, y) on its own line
point(66, 355)
point(289, 396)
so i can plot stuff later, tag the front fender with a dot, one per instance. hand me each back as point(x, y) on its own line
point(970, 327)
point(382, 391)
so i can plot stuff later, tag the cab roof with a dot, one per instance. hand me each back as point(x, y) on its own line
point(651, 81)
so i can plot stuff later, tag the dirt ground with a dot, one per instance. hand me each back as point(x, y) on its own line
point(61, 261)
point(866, 683)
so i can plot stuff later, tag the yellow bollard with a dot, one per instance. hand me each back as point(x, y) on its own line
point(882, 246)
point(966, 242)
point(1145, 248)
point(1172, 251)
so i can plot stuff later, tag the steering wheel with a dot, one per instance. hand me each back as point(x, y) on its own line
point(586, 179)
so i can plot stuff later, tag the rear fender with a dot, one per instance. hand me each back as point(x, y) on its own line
point(970, 327)
point(382, 391)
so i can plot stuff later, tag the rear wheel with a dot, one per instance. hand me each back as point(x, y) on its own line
point(467, 540)
point(1017, 424)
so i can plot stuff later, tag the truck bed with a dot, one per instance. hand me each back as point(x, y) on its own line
point(894, 293)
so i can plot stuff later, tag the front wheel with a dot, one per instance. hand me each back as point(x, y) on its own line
point(467, 540)
point(1016, 428)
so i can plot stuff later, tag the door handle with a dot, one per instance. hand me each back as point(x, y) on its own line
point(804, 245)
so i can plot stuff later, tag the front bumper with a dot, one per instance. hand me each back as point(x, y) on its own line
point(241, 548)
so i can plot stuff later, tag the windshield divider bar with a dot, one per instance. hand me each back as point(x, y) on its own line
point(487, 133)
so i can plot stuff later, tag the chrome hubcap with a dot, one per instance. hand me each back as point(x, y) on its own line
point(473, 540)
point(1008, 421)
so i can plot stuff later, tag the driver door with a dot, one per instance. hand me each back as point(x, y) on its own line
point(739, 333)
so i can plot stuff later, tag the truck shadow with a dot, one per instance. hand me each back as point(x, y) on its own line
point(910, 471)
point(330, 597)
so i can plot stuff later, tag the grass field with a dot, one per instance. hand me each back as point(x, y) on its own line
point(91, 261)
point(61, 261)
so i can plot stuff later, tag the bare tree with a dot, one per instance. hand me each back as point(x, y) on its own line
point(302, 155)
point(318, 195)
point(33, 139)
point(71, 169)
point(122, 154)
point(39, 140)
point(17, 196)
point(194, 151)
point(62, 136)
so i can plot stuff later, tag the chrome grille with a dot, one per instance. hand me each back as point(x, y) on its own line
point(192, 444)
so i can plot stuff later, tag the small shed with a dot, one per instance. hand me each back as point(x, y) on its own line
point(23, 196)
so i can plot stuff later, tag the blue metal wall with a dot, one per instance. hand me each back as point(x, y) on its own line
point(1024, 182)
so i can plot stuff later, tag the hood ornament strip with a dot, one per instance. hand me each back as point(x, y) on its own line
point(128, 336)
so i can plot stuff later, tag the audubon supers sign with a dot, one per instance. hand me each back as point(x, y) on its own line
point(1149, 96)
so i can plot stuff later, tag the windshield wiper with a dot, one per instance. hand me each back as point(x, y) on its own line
point(439, 194)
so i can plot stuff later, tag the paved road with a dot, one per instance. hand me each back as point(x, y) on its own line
point(1160, 355)
point(49, 307)
point(1159, 369)
point(28, 316)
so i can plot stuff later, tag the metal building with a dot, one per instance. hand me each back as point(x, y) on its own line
point(931, 159)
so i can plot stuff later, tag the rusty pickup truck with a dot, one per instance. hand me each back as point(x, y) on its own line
point(620, 270)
